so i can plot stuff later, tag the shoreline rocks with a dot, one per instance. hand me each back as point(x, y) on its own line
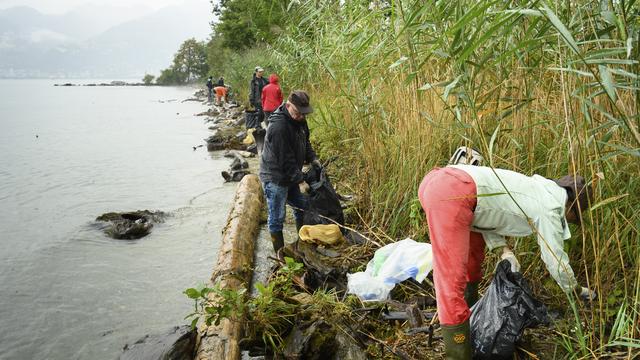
point(178, 343)
point(130, 225)
point(112, 83)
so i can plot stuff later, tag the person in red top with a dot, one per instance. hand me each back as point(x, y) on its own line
point(271, 97)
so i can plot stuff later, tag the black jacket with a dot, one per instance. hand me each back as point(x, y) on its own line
point(257, 84)
point(209, 84)
point(286, 149)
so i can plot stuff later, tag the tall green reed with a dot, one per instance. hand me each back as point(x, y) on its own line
point(539, 87)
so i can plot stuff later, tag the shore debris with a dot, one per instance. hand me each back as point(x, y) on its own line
point(237, 168)
point(391, 264)
point(129, 225)
point(177, 344)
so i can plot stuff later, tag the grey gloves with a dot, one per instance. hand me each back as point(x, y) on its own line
point(304, 187)
point(507, 254)
point(587, 295)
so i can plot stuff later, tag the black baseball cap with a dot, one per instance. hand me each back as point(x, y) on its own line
point(300, 99)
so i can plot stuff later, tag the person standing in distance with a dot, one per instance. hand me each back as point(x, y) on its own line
point(258, 82)
point(271, 97)
point(286, 149)
point(210, 88)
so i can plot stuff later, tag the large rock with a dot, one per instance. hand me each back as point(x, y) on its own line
point(129, 225)
point(313, 341)
point(177, 344)
point(225, 137)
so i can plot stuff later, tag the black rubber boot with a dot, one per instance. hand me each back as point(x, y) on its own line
point(457, 341)
point(471, 293)
point(277, 239)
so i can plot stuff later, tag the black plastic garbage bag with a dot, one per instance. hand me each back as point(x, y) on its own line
point(323, 199)
point(252, 119)
point(499, 318)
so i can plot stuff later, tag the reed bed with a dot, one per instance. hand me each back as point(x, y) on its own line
point(538, 87)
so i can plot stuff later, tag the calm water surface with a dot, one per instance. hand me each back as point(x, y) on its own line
point(69, 154)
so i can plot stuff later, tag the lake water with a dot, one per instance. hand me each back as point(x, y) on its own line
point(69, 154)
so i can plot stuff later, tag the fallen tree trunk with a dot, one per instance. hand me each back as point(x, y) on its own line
point(233, 268)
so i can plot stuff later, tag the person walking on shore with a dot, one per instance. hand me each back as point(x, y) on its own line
point(286, 149)
point(255, 92)
point(210, 88)
point(469, 206)
point(271, 97)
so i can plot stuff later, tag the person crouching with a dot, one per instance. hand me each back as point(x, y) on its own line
point(469, 206)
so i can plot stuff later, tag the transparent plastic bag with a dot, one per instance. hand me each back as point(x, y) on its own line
point(391, 264)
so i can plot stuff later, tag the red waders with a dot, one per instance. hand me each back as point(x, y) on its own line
point(448, 197)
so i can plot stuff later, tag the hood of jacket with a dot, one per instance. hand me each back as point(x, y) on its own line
point(273, 79)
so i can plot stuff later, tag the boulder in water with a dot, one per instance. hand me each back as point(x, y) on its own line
point(130, 225)
point(177, 344)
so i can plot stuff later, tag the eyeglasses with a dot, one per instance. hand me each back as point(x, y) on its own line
point(294, 112)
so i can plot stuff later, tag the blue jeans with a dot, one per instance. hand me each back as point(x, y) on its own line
point(277, 197)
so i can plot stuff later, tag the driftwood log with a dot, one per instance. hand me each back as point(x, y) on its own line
point(233, 268)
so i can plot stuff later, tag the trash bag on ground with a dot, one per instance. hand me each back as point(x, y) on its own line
point(499, 318)
point(328, 234)
point(323, 200)
point(252, 119)
point(391, 264)
point(258, 136)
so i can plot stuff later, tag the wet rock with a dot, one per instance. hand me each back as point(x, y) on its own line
point(234, 175)
point(238, 160)
point(348, 348)
point(312, 342)
point(130, 225)
point(210, 112)
point(321, 270)
point(244, 154)
point(224, 138)
point(252, 149)
point(177, 344)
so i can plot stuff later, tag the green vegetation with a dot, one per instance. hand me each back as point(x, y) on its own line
point(148, 79)
point(272, 312)
point(539, 87)
point(189, 64)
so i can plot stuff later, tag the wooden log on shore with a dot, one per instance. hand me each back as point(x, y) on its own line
point(234, 268)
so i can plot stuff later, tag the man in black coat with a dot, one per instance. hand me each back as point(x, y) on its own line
point(286, 149)
point(209, 88)
point(258, 82)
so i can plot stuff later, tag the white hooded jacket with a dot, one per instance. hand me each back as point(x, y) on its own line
point(520, 207)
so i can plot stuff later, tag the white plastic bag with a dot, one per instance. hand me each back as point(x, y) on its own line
point(390, 265)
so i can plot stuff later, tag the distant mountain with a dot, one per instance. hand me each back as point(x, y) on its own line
point(94, 41)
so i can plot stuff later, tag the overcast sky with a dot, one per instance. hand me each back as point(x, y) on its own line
point(61, 6)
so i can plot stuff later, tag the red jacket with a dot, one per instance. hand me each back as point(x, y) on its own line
point(271, 94)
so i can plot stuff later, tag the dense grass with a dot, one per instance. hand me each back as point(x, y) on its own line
point(539, 87)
